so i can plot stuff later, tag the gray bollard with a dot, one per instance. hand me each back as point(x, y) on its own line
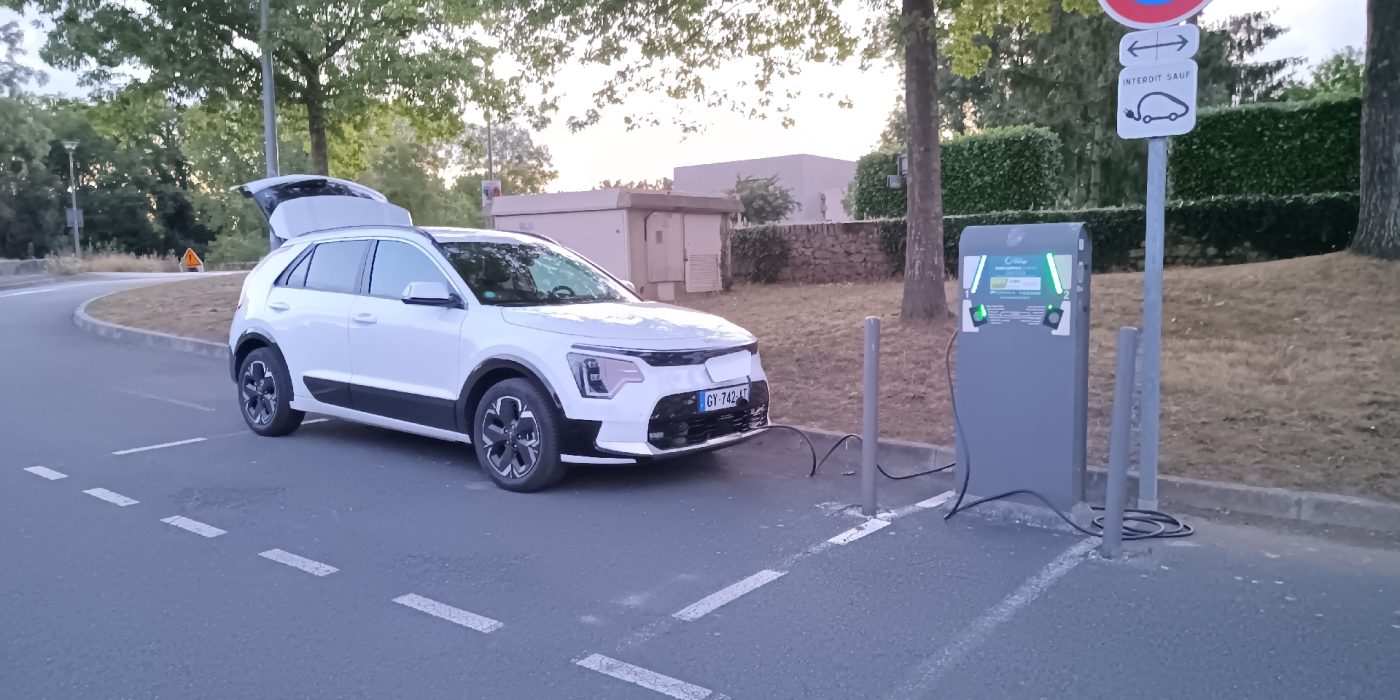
point(1114, 501)
point(870, 417)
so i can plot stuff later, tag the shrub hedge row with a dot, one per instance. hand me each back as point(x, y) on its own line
point(1278, 149)
point(1011, 168)
point(1218, 230)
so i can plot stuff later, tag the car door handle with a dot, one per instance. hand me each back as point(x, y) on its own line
point(279, 306)
point(365, 318)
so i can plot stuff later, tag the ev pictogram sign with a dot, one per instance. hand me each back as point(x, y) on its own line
point(1150, 14)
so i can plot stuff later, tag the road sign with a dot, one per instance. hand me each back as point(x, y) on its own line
point(191, 262)
point(1157, 100)
point(74, 217)
point(490, 189)
point(1149, 14)
point(1159, 45)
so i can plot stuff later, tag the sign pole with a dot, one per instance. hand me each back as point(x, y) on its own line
point(1152, 322)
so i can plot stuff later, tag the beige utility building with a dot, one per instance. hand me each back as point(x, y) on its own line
point(666, 244)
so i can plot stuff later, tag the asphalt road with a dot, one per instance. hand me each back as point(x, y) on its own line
point(345, 561)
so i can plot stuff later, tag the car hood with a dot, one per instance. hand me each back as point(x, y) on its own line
point(648, 322)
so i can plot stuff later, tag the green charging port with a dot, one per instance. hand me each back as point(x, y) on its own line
point(979, 315)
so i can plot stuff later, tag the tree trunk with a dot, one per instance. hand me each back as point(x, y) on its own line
point(316, 125)
point(925, 300)
point(1378, 231)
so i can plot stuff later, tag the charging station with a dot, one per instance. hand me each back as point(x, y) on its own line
point(1022, 388)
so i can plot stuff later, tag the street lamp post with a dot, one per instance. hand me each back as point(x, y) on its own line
point(71, 146)
point(269, 106)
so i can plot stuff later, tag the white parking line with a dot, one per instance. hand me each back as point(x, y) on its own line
point(111, 497)
point(651, 680)
point(926, 673)
point(726, 595)
point(310, 566)
point(194, 526)
point(47, 473)
point(177, 402)
point(315, 420)
point(447, 612)
point(855, 533)
point(163, 445)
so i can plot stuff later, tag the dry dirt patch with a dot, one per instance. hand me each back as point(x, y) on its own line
point(1280, 374)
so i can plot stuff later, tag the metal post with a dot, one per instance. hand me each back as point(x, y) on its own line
point(1152, 322)
point(269, 106)
point(489, 209)
point(73, 190)
point(870, 417)
point(1114, 501)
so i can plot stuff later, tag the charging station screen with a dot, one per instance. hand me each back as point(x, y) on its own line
point(1016, 289)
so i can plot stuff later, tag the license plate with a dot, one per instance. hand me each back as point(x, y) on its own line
point(720, 399)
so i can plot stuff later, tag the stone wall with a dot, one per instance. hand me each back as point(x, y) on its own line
point(829, 253)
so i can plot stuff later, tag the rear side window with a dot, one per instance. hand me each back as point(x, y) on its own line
point(335, 267)
point(396, 265)
point(296, 277)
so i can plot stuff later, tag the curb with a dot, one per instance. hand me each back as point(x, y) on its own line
point(1283, 504)
point(142, 338)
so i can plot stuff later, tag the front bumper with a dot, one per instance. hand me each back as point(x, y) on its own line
point(660, 418)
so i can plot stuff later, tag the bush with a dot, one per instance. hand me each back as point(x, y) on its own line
point(764, 251)
point(1276, 149)
point(1014, 168)
point(1219, 230)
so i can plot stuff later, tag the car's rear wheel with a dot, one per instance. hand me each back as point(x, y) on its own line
point(517, 436)
point(265, 394)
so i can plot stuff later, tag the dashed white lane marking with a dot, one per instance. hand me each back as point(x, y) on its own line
point(447, 612)
point(728, 594)
point(47, 473)
point(651, 680)
point(926, 504)
point(45, 290)
point(111, 497)
point(194, 526)
point(855, 533)
point(161, 446)
point(177, 402)
point(315, 420)
point(310, 566)
point(927, 673)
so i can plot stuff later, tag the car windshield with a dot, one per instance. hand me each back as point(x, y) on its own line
point(529, 274)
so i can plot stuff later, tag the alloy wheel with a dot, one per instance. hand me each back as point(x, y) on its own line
point(511, 437)
point(259, 393)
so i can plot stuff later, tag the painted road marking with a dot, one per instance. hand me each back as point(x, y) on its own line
point(47, 473)
point(177, 402)
point(726, 595)
point(163, 445)
point(111, 497)
point(447, 612)
point(651, 680)
point(45, 290)
point(930, 669)
point(310, 566)
point(194, 526)
point(855, 533)
point(313, 421)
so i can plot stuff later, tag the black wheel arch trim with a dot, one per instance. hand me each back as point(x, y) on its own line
point(471, 388)
point(247, 337)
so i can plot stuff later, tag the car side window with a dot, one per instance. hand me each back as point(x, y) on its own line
point(296, 277)
point(398, 264)
point(335, 267)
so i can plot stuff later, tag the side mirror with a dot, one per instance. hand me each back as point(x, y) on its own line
point(430, 294)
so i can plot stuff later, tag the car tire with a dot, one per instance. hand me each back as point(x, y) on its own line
point(516, 431)
point(265, 394)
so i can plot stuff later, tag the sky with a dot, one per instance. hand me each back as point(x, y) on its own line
point(609, 151)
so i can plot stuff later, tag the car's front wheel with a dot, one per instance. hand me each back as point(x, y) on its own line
point(517, 436)
point(265, 394)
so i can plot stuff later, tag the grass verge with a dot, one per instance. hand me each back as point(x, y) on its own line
point(1274, 374)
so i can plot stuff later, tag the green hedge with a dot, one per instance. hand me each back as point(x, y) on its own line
point(1219, 230)
point(1003, 169)
point(1277, 149)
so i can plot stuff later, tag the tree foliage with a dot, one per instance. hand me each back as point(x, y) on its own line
point(522, 166)
point(764, 199)
point(660, 184)
point(1342, 74)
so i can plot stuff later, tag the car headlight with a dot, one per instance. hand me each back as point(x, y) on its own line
point(602, 377)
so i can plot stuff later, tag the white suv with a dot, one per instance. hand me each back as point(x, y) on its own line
point(507, 341)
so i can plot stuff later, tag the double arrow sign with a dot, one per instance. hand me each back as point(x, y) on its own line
point(1159, 45)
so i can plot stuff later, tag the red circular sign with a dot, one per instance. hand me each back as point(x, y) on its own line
point(1146, 14)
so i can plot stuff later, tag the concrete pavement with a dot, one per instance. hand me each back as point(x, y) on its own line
point(153, 547)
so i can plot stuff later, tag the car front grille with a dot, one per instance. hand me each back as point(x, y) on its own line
point(676, 422)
